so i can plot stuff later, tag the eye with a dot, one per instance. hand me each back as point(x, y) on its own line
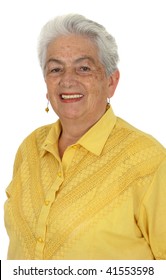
point(56, 70)
point(85, 68)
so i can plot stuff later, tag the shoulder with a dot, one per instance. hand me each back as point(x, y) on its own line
point(143, 139)
point(131, 147)
point(39, 134)
point(31, 146)
point(35, 140)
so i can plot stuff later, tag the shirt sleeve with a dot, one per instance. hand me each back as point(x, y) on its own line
point(16, 165)
point(17, 161)
point(152, 219)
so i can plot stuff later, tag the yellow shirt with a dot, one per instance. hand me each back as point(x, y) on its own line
point(106, 199)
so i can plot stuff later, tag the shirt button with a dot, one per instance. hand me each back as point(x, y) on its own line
point(47, 202)
point(40, 240)
point(59, 174)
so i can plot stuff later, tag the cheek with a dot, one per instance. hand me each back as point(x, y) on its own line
point(93, 83)
point(51, 81)
point(51, 87)
point(99, 81)
point(98, 87)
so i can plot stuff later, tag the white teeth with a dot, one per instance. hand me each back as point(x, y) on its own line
point(71, 96)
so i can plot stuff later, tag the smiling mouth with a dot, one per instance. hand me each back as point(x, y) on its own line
point(71, 97)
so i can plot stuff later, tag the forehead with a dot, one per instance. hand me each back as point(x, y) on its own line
point(72, 46)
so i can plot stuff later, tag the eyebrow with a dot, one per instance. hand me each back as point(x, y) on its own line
point(53, 60)
point(76, 61)
point(84, 58)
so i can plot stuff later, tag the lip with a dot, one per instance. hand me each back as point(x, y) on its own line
point(70, 97)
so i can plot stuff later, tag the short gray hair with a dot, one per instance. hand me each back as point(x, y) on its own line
point(78, 24)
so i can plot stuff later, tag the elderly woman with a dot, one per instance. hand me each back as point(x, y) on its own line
point(89, 186)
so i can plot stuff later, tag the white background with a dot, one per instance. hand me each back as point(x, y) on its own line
point(139, 27)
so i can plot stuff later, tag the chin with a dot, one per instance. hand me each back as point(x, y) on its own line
point(70, 115)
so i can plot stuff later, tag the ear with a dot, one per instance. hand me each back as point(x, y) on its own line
point(113, 82)
point(47, 96)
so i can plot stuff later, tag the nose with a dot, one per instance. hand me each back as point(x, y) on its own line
point(68, 78)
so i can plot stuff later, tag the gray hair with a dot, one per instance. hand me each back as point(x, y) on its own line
point(78, 24)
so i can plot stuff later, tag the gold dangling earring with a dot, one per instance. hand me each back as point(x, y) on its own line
point(47, 108)
point(108, 100)
point(108, 103)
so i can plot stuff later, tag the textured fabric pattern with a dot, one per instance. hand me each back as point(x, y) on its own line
point(106, 199)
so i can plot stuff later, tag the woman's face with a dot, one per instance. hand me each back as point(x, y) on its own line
point(77, 85)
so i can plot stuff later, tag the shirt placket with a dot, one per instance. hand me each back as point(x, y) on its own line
point(43, 217)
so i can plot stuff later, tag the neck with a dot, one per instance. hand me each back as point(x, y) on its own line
point(72, 131)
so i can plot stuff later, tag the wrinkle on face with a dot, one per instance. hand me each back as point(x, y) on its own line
point(73, 66)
